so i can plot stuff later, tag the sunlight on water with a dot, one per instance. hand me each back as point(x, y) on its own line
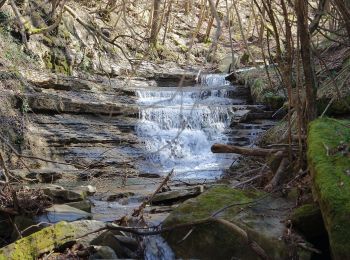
point(178, 127)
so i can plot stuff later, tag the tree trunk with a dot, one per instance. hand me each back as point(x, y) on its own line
point(304, 36)
point(155, 22)
point(210, 24)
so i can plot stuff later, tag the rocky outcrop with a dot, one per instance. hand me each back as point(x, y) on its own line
point(329, 163)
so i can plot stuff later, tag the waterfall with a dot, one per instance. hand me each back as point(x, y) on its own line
point(179, 125)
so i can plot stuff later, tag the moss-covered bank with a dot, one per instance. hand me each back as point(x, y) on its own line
point(329, 162)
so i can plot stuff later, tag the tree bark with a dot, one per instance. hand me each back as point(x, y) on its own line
point(304, 37)
point(155, 22)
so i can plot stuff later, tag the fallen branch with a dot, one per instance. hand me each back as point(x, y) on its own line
point(243, 234)
point(278, 176)
point(223, 148)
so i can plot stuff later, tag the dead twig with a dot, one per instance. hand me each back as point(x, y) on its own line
point(137, 211)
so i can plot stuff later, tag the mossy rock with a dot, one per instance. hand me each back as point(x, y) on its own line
point(214, 240)
point(331, 181)
point(56, 61)
point(47, 239)
point(273, 101)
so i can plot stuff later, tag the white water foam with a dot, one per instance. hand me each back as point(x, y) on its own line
point(179, 126)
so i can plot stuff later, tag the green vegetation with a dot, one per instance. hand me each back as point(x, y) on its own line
point(328, 158)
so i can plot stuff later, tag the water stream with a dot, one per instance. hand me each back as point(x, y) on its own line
point(179, 125)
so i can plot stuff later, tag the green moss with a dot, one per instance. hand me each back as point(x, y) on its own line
point(57, 62)
point(31, 247)
point(330, 180)
point(208, 203)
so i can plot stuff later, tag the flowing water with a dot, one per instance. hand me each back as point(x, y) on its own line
point(179, 125)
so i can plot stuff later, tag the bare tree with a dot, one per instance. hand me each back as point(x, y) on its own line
point(155, 23)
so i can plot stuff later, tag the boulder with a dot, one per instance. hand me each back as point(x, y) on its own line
point(57, 213)
point(262, 221)
point(328, 160)
point(49, 238)
point(115, 242)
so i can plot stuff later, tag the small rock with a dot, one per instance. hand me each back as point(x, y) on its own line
point(118, 196)
point(84, 205)
point(61, 195)
point(89, 190)
point(103, 252)
point(170, 197)
point(57, 213)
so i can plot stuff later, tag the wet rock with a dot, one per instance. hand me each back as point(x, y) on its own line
point(213, 240)
point(116, 197)
point(103, 252)
point(50, 238)
point(170, 197)
point(84, 205)
point(58, 194)
point(57, 213)
point(113, 241)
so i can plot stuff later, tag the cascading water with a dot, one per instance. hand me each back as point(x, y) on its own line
point(179, 125)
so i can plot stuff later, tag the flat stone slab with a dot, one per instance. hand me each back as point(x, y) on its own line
point(63, 212)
